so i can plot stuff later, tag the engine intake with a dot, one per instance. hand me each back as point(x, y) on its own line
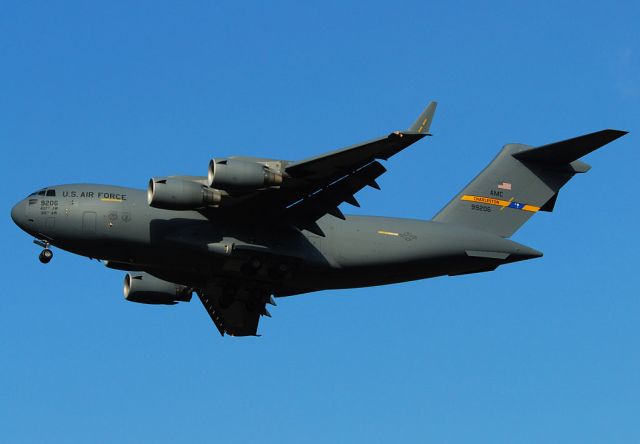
point(147, 289)
point(177, 194)
point(235, 174)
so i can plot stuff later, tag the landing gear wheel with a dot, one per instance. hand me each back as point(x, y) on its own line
point(45, 256)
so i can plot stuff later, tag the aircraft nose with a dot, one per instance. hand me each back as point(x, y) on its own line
point(18, 213)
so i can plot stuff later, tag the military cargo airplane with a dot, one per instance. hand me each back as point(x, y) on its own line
point(254, 229)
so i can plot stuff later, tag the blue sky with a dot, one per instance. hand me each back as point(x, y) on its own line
point(542, 351)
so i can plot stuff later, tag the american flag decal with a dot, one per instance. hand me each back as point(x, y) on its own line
point(504, 186)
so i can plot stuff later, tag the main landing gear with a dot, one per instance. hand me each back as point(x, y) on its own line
point(46, 254)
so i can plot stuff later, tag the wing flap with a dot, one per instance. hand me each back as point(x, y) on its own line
point(307, 211)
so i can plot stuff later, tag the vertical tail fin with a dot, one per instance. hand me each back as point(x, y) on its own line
point(519, 182)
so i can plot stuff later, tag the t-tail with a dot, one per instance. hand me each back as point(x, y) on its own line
point(521, 181)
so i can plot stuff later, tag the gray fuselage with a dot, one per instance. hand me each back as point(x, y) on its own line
point(116, 225)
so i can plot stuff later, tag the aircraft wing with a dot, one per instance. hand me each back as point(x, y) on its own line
point(235, 317)
point(356, 156)
point(308, 210)
point(318, 185)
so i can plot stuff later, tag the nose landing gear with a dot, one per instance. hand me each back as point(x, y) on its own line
point(45, 255)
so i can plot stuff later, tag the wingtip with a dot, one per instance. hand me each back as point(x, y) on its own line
point(613, 134)
point(617, 133)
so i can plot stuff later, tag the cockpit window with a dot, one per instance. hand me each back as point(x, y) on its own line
point(44, 192)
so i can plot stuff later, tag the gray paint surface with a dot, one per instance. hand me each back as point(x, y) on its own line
point(235, 263)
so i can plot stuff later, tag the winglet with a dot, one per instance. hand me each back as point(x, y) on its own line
point(422, 124)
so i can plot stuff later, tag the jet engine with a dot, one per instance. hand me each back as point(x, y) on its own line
point(236, 174)
point(177, 194)
point(146, 289)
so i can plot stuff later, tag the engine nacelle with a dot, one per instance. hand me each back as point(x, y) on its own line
point(146, 289)
point(178, 194)
point(236, 174)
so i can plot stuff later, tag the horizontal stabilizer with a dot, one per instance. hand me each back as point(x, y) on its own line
point(569, 150)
